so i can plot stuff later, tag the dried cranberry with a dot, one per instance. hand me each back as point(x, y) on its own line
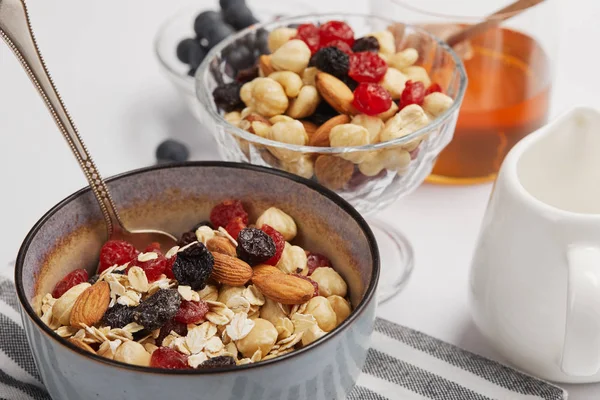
point(340, 44)
point(235, 226)
point(413, 93)
point(371, 99)
point(165, 357)
point(309, 34)
point(434, 87)
point(169, 268)
point(116, 252)
point(279, 243)
point(315, 284)
point(366, 66)
point(336, 30)
point(153, 247)
point(172, 325)
point(254, 246)
point(191, 312)
point(224, 212)
point(154, 268)
point(72, 279)
point(316, 260)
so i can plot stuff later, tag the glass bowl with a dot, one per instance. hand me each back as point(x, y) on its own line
point(181, 26)
point(412, 156)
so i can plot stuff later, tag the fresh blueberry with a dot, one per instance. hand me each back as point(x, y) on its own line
point(225, 4)
point(195, 56)
point(239, 16)
point(217, 33)
point(205, 21)
point(183, 49)
point(261, 43)
point(171, 151)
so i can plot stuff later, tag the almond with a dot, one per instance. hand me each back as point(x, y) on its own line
point(221, 245)
point(333, 172)
point(264, 65)
point(81, 344)
point(283, 288)
point(230, 270)
point(335, 92)
point(321, 136)
point(309, 127)
point(264, 269)
point(91, 305)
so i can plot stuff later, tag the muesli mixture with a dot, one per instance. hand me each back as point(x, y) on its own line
point(212, 301)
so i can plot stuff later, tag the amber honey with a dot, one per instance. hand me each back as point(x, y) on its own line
point(507, 98)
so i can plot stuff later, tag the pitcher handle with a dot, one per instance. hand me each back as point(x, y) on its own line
point(581, 350)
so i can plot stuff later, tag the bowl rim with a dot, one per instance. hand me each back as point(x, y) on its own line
point(369, 296)
point(205, 98)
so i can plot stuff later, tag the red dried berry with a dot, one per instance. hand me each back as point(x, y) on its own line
point(191, 312)
point(367, 66)
point(315, 284)
point(224, 212)
point(154, 268)
point(316, 260)
point(235, 226)
point(72, 279)
point(116, 252)
point(343, 46)
point(336, 30)
point(165, 357)
point(169, 268)
point(309, 34)
point(153, 247)
point(413, 93)
point(434, 87)
point(279, 243)
point(371, 99)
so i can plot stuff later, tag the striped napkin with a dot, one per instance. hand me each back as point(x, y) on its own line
point(401, 364)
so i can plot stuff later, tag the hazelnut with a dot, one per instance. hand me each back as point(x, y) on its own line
point(280, 221)
point(278, 37)
point(132, 353)
point(293, 260)
point(349, 135)
point(290, 81)
point(330, 282)
point(293, 55)
point(262, 337)
point(341, 308)
point(320, 308)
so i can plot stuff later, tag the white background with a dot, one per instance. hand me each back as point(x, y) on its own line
point(101, 57)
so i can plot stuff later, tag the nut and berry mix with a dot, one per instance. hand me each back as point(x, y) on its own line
point(209, 302)
point(320, 86)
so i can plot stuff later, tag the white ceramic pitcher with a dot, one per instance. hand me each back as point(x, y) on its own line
point(535, 277)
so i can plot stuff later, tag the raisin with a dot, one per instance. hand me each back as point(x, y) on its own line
point(366, 43)
point(157, 309)
point(191, 312)
point(434, 87)
point(72, 279)
point(351, 83)
point(154, 268)
point(193, 266)
point(118, 316)
point(279, 241)
point(367, 67)
point(333, 61)
point(216, 362)
point(413, 93)
point(371, 99)
point(94, 279)
point(187, 238)
point(235, 226)
point(165, 357)
point(322, 114)
point(224, 212)
point(343, 46)
point(315, 284)
point(172, 325)
point(336, 30)
point(309, 34)
point(247, 74)
point(316, 260)
point(116, 252)
point(227, 96)
point(255, 246)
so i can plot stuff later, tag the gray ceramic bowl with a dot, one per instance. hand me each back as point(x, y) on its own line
point(172, 198)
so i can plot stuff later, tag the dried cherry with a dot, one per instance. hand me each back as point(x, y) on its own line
point(309, 34)
point(116, 252)
point(224, 212)
point(366, 66)
point(340, 44)
point(371, 99)
point(413, 93)
point(255, 246)
point(193, 266)
point(191, 312)
point(157, 309)
point(316, 260)
point(165, 357)
point(235, 226)
point(72, 279)
point(169, 268)
point(336, 30)
point(434, 87)
point(279, 241)
point(153, 268)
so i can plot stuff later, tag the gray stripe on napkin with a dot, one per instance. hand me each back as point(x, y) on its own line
point(32, 390)
point(416, 379)
point(492, 371)
point(362, 393)
point(14, 344)
point(8, 294)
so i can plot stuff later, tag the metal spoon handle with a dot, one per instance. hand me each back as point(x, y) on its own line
point(15, 30)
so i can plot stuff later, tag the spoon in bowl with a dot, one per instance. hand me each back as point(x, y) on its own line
point(15, 30)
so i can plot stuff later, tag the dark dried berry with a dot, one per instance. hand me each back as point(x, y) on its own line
point(193, 266)
point(351, 83)
point(333, 61)
point(255, 246)
point(157, 309)
point(172, 325)
point(367, 43)
point(216, 362)
point(227, 96)
point(93, 279)
point(247, 74)
point(118, 316)
point(187, 238)
point(322, 114)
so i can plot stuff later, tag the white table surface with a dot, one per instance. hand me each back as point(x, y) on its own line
point(102, 60)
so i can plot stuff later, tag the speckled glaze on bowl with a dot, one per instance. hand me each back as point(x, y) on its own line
point(172, 198)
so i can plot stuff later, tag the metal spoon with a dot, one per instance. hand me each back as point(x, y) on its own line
point(15, 30)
